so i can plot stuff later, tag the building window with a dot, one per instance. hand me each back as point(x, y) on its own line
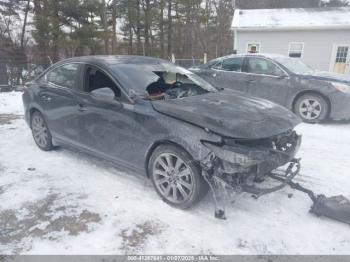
point(342, 54)
point(253, 48)
point(296, 50)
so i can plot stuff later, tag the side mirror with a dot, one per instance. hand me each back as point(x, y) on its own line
point(282, 76)
point(104, 94)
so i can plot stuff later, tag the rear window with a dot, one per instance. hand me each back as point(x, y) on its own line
point(65, 76)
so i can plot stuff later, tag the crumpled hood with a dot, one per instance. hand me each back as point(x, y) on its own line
point(231, 113)
point(328, 76)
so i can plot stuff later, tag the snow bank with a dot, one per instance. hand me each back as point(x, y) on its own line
point(11, 103)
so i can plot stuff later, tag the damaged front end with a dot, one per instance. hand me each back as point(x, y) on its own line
point(235, 166)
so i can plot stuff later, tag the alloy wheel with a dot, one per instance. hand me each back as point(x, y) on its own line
point(173, 178)
point(40, 131)
point(310, 109)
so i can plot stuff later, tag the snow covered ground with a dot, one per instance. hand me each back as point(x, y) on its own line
point(62, 202)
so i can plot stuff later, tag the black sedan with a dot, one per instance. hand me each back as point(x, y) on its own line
point(157, 119)
point(312, 95)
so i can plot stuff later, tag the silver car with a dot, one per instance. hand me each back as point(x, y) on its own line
point(314, 96)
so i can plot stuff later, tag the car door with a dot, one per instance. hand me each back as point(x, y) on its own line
point(267, 80)
point(205, 71)
point(110, 129)
point(59, 102)
point(228, 74)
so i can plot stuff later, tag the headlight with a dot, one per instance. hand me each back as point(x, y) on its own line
point(231, 156)
point(341, 87)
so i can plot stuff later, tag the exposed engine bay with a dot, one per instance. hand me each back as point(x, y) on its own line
point(237, 166)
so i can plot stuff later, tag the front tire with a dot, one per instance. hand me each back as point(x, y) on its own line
point(41, 132)
point(175, 177)
point(311, 108)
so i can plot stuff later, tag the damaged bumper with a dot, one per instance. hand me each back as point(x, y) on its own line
point(251, 158)
point(240, 166)
point(285, 178)
point(234, 167)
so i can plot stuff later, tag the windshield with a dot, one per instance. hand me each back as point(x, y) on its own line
point(295, 65)
point(161, 80)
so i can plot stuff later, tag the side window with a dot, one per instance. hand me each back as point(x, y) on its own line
point(262, 66)
point(232, 64)
point(217, 65)
point(65, 76)
point(96, 79)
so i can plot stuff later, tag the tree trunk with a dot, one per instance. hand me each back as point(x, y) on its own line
point(188, 29)
point(178, 48)
point(147, 27)
point(22, 50)
point(114, 26)
point(161, 28)
point(105, 27)
point(55, 31)
point(40, 20)
point(170, 22)
point(24, 24)
point(130, 45)
point(3, 73)
point(138, 28)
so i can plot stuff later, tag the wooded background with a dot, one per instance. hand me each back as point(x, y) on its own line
point(35, 33)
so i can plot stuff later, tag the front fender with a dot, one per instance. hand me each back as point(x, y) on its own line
point(186, 136)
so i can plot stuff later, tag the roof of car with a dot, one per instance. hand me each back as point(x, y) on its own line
point(115, 59)
point(271, 56)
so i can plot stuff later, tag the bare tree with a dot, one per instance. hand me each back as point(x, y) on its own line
point(114, 26)
point(161, 28)
point(170, 27)
point(147, 10)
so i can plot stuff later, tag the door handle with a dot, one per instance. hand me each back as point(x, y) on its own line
point(82, 108)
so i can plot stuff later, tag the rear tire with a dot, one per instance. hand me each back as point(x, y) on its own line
point(311, 108)
point(40, 131)
point(175, 177)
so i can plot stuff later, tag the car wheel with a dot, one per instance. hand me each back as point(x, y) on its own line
point(312, 108)
point(40, 131)
point(175, 177)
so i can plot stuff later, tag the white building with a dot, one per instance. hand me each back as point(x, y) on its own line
point(318, 36)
